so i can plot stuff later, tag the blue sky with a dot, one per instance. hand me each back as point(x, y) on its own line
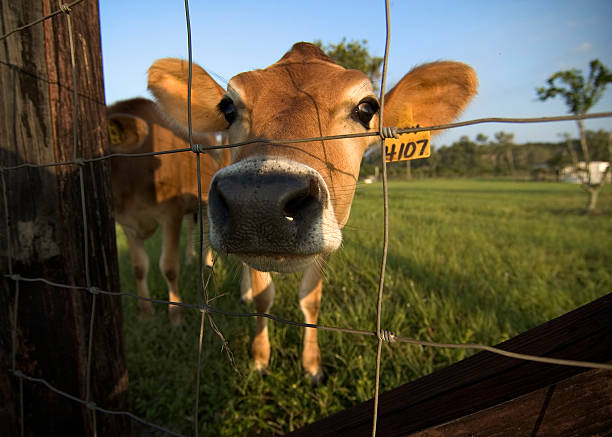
point(514, 46)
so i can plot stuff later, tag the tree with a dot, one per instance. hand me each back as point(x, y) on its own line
point(505, 141)
point(482, 139)
point(44, 234)
point(580, 96)
point(354, 55)
point(598, 142)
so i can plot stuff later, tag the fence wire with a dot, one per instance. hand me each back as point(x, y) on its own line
point(385, 245)
point(201, 148)
point(203, 300)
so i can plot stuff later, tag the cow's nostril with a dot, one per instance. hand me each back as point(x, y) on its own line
point(297, 205)
point(302, 202)
point(218, 202)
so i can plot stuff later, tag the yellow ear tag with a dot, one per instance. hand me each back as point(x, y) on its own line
point(115, 133)
point(408, 146)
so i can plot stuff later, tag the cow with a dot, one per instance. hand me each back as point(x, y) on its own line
point(154, 191)
point(281, 207)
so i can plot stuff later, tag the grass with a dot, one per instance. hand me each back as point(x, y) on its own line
point(469, 261)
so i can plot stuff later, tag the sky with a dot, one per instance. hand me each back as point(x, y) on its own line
point(514, 46)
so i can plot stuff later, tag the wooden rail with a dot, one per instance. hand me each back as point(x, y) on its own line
point(480, 384)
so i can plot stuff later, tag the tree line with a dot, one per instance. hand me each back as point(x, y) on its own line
point(498, 156)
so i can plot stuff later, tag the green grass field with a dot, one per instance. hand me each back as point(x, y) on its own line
point(469, 261)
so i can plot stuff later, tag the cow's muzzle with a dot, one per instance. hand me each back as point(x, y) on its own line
point(273, 214)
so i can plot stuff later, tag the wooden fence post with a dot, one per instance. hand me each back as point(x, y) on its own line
point(42, 229)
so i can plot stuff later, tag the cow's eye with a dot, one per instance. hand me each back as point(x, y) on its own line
point(227, 108)
point(365, 110)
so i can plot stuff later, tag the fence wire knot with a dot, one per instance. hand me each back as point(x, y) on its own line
point(195, 148)
point(79, 161)
point(14, 277)
point(387, 336)
point(389, 132)
point(91, 405)
point(65, 8)
point(94, 290)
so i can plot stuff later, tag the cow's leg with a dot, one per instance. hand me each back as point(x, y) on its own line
point(169, 264)
point(140, 267)
point(190, 251)
point(263, 296)
point(208, 256)
point(246, 291)
point(310, 300)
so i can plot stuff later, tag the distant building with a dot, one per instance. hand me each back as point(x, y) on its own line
point(578, 174)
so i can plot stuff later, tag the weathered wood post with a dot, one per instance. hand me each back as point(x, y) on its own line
point(42, 230)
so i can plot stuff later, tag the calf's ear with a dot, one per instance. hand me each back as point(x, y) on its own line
point(435, 93)
point(168, 81)
point(126, 132)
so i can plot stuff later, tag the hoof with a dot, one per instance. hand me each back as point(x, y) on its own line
point(175, 313)
point(190, 258)
point(316, 378)
point(247, 297)
point(207, 271)
point(260, 369)
point(145, 309)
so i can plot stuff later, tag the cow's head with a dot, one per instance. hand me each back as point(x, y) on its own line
point(126, 132)
point(280, 206)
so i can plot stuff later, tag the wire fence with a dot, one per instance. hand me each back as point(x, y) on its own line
point(203, 304)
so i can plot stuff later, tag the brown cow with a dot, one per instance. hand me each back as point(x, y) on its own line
point(281, 207)
point(155, 190)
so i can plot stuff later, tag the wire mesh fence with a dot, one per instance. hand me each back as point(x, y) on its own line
point(203, 305)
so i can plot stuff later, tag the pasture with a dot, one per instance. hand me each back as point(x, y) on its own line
point(474, 261)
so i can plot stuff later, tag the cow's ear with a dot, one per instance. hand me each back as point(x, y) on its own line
point(168, 81)
point(431, 94)
point(126, 132)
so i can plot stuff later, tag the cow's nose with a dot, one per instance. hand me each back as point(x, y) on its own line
point(265, 213)
point(300, 199)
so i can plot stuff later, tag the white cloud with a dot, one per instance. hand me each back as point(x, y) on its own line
point(584, 47)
